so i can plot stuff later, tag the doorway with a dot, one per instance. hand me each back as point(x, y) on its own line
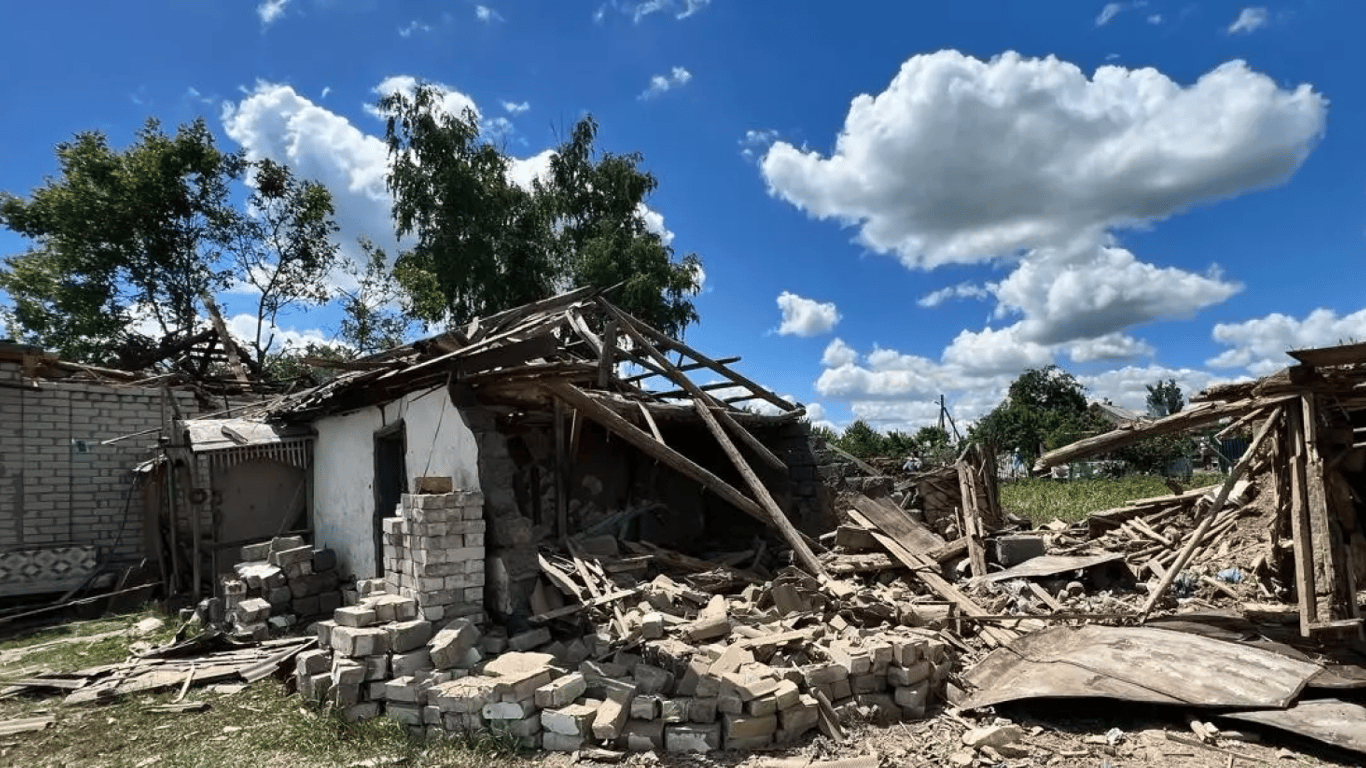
point(391, 481)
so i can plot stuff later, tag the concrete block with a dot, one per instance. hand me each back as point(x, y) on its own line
point(287, 557)
point(529, 640)
point(570, 720)
point(764, 705)
point(324, 631)
point(904, 676)
point(652, 679)
point(344, 695)
point(450, 645)
point(309, 606)
point(253, 610)
point(702, 710)
point(795, 721)
point(868, 683)
point(402, 689)
point(645, 707)
point(692, 737)
point(365, 710)
point(282, 543)
point(466, 696)
point(408, 714)
point(258, 551)
point(562, 691)
point(347, 672)
point(375, 689)
point(559, 742)
point(643, 735)
point(328, 602)
point(1013, 550)
point(751, 681)
point(730, 703)
point(405, 636)
point(355, 616)
point(411, 662)
point(509, 710)
point(360, 641)
point(376, 666)
point(747, 731)
point(913, 698)
point(312, 661)
point(612, 713)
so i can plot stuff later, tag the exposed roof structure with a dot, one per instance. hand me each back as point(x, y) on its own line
point(521, 356)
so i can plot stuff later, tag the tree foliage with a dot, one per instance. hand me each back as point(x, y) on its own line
point(137, 236)
point(1044, 408)
point(482, 243)
point(1165, 398)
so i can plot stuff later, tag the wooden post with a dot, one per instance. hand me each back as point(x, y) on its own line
point(972, 519)
point(607, 355)
point(1302, 536)
point(561, 481)
point(794, 539)
point(1219, 500)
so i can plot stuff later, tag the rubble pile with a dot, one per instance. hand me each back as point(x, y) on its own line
point(679, 670)
point(434, 553)
point(278, 583)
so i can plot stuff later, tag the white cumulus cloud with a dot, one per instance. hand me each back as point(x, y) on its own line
point(1114, 346)
point(962, 160)
point(960, 291)
point(838, 353)
point(1249, 20)
point(806, 317)
point(1260, 344)
point(660, 84)
point(516, 108)
point(270, 11)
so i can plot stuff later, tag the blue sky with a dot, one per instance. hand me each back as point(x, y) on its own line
point(892, 200)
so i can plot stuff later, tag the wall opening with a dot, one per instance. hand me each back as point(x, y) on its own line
point(391, 478)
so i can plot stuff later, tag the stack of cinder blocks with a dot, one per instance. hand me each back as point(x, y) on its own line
point(434, 553)
point(380, 657)
point(277, 583)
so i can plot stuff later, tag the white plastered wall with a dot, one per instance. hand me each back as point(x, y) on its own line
point(438, 444)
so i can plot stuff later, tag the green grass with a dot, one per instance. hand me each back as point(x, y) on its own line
point(262, 726)
point(1041, 500)
point(79, 645)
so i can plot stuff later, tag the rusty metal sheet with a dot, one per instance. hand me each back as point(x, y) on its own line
point(1052, 565)
point(1339, 723)
point(1140, 664)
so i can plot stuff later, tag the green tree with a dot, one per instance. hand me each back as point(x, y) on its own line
point(1044, 408)
point(1165, 398)
point(482, 243)
point(143, 234)
point(283, 246)
point(861, 441)
point(371, 321)
point(117, 236)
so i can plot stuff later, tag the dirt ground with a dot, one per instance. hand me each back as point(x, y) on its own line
point(264, 726)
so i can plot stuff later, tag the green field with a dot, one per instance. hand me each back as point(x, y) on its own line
point(1041, 500)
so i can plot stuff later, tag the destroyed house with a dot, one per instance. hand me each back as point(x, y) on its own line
point(541, 424)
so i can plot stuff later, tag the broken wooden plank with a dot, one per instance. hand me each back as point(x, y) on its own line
point(632, 434)
point(570, 610)
point(1177, 422)
point(897, 524)
point(1138, 664)
point(739, 430)
point(607, 358)
point(1052, 565)
point(24, 725)
point(1233, 476)
point(925, 569)
point(972, 519)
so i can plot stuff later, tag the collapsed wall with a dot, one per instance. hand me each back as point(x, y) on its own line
point(706, 672)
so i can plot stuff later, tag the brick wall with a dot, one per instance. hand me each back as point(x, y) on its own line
point(58, 483)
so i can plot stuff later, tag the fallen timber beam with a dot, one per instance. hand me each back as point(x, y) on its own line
point(664, 341)
point(651, 447)
point(701, 403)
point(1195, 538)
point(685, 367)
point(1177, 422)
point(927, 571)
